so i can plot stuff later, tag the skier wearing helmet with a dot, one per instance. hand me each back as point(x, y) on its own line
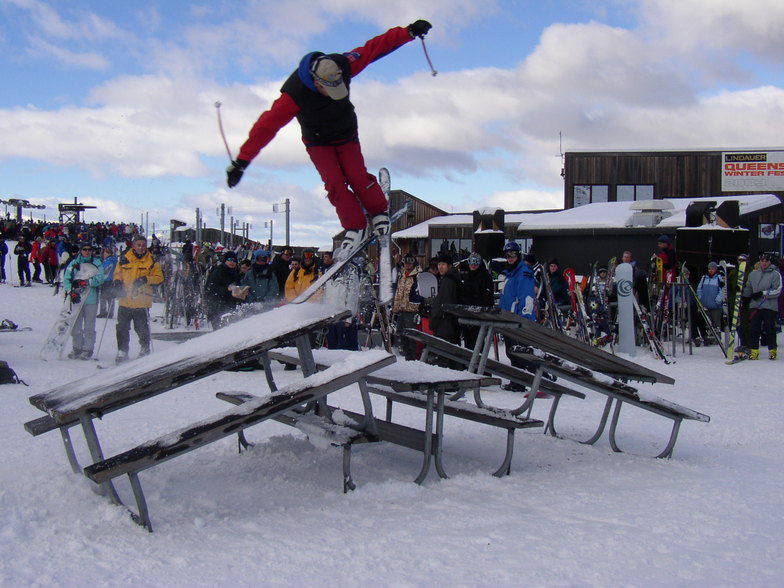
point(317, 93)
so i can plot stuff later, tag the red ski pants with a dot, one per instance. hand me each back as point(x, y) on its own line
point(350, 188)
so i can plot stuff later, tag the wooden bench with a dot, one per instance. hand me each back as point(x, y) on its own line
point(388, 383)
point(618, 393)
point(252, 412)
point(440, 347)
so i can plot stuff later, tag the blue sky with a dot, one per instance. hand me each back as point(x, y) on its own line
point(113, 102)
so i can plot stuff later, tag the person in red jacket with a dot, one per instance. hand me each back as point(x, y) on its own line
point(49, 261)
point(317, 94)
point(36, 259)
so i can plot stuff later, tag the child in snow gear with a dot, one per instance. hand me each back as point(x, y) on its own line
point(317, 94)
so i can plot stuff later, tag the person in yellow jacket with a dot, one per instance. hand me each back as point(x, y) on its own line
point(135, 275)
point(301, 278)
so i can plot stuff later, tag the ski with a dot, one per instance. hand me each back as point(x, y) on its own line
point(9, 326)
point(553, 317)
point(578, 306)
point(735, 321)
point(339, 264)
point(725, 312)
point(653, 341)
point(384, 254)
point(701, 309)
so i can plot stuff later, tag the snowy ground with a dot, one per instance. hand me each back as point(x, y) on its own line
point(569, 514)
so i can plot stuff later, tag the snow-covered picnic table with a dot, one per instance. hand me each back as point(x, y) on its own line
point(549, 352)
point(434, 389)
point(82, 401)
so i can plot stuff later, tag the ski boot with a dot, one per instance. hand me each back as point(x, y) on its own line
point(75, 354)
point(771, 353)
point(352, 238)
point(754, 354)
point(122, 357)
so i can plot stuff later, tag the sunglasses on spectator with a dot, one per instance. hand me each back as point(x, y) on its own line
point(87, 248)
point(308, 254)
point(511, 253)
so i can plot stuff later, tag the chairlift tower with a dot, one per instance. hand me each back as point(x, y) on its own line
point(20, 204)
point(72, 213)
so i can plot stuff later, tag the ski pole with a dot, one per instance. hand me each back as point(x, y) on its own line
point(223, 134)
point(427, 56)
point(100, 341)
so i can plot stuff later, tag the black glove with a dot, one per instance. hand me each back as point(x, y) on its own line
point(419, 28)
point(138, 282)
point(756, 295)
point(234, 172)
point(75, 297)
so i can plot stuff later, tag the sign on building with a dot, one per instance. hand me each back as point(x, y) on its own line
point(743, 171)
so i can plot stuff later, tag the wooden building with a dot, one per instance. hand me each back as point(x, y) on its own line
point(614, 176)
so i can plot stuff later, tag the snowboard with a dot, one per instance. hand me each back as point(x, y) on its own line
point(427, 285)
point(63, 324)
point(341, 263)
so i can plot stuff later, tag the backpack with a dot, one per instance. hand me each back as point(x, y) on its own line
point(8, 376)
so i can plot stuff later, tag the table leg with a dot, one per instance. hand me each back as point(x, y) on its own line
point(428, 450)
point(440, 434)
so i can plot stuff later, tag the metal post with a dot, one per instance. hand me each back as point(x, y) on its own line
point(288, 221)
point(222, 221)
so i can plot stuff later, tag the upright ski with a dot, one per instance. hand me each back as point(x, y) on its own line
point(735, 321)
point(339, 264)
point(384, 255)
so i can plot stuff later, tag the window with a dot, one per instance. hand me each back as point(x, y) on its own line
point(629, 193)
point(588, 194)
point(458, 248)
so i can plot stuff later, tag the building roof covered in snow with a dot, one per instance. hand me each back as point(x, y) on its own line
point(665, 214)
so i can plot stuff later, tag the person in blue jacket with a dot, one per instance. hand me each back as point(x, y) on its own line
point(710, 291)
point(107, 291)
point(261, 279)
point(83, 332)
point(519, 297)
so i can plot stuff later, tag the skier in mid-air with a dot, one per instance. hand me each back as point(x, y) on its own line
point(317, 94)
